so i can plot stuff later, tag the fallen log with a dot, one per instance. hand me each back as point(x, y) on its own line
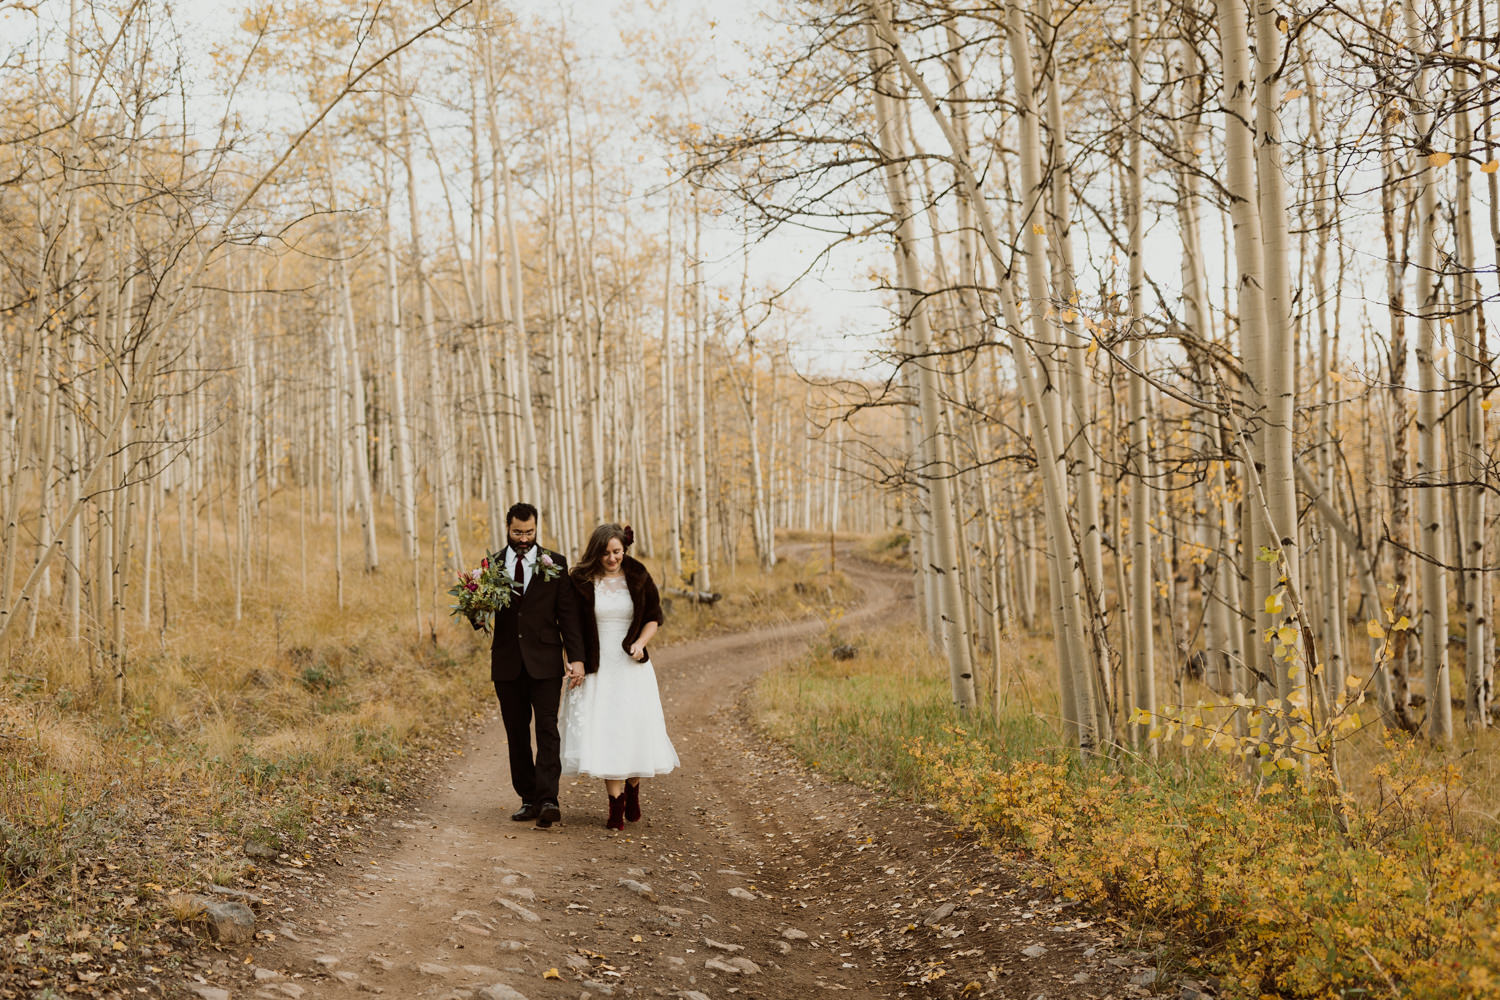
point(696, 596)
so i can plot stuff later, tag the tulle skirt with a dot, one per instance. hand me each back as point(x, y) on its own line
point(612, 725)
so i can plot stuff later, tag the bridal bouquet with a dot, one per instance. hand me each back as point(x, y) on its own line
point(482, 592)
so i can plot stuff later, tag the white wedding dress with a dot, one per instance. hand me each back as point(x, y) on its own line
point(612, 726)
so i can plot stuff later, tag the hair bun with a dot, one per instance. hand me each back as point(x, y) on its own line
point(629, 534)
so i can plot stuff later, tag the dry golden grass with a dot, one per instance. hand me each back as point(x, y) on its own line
point(801, 585)
point(291, 719)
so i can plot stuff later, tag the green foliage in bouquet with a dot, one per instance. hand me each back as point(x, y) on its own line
point(482, 592)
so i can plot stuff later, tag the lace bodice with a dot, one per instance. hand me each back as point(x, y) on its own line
point(613, 609)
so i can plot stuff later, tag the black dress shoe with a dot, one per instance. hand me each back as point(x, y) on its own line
point(528, 811)
point(547, 814)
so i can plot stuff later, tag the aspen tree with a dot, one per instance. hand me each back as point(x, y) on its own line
point(915, 323)
point(1082, 683)
point(1211, 495)
point(445, 514)
point(591, 325)
point(1480, 686)
point(1392, 670)
point(518, 351)
point(1433, 626)
point(1279, 355)
point(1074, 659)
point(355, 411)
point(697, 368)
point(406, 503)
point(1083, 451)
point(1331, 594)
point(1468, 418)
point(1142, 665)
point(747, 391)
point(1240, 185)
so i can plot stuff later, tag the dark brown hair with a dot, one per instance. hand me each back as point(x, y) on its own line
point(591, 563)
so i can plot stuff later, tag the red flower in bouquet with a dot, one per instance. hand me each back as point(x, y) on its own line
point(481, 592)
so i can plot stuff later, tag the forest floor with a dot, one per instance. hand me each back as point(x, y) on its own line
point(749, 875)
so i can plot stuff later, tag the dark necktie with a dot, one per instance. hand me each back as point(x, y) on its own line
point(521, 571)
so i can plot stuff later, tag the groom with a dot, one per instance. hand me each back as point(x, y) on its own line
point(532, 634)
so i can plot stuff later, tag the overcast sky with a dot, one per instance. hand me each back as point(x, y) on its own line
point(838, 318)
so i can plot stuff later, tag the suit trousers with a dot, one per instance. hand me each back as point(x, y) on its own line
point(525, 698)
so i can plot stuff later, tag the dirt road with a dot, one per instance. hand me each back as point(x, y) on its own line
point(748, 876)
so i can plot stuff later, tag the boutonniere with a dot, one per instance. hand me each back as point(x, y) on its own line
point(546, 568)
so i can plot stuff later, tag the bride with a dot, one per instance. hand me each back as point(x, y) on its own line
point(612, 726)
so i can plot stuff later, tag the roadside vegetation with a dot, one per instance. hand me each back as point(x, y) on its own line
point(1246, 879)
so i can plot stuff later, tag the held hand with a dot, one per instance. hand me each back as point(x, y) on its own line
point(574, 674)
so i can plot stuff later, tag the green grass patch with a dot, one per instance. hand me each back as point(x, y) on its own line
point(1253, 880)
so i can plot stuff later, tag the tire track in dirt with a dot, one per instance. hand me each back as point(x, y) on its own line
point(748, 876)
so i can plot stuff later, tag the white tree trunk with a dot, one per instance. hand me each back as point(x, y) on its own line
point(918, 344)
point(1433, 626)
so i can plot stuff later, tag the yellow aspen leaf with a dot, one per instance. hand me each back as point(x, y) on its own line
point(1267, 769)
point(1286, 764)
point(1188, 740)
point(1154, 734)
point(1036, 227)
point(1274, 704)
point(1282, 24)
point(1291, 95)
point(1273, 604)
point(1353, 681)
point(1334, 375)
point(1069, 315)
point(1279, 652)
point(1287, 634)
point(1491, 167)
point(552, 973)
point(1485, 405)
point(1439, 159)
point(1373, 629)
point(1402, 624)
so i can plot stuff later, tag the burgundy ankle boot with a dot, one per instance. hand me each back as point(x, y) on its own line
point(632, 801)
point(616, 819)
